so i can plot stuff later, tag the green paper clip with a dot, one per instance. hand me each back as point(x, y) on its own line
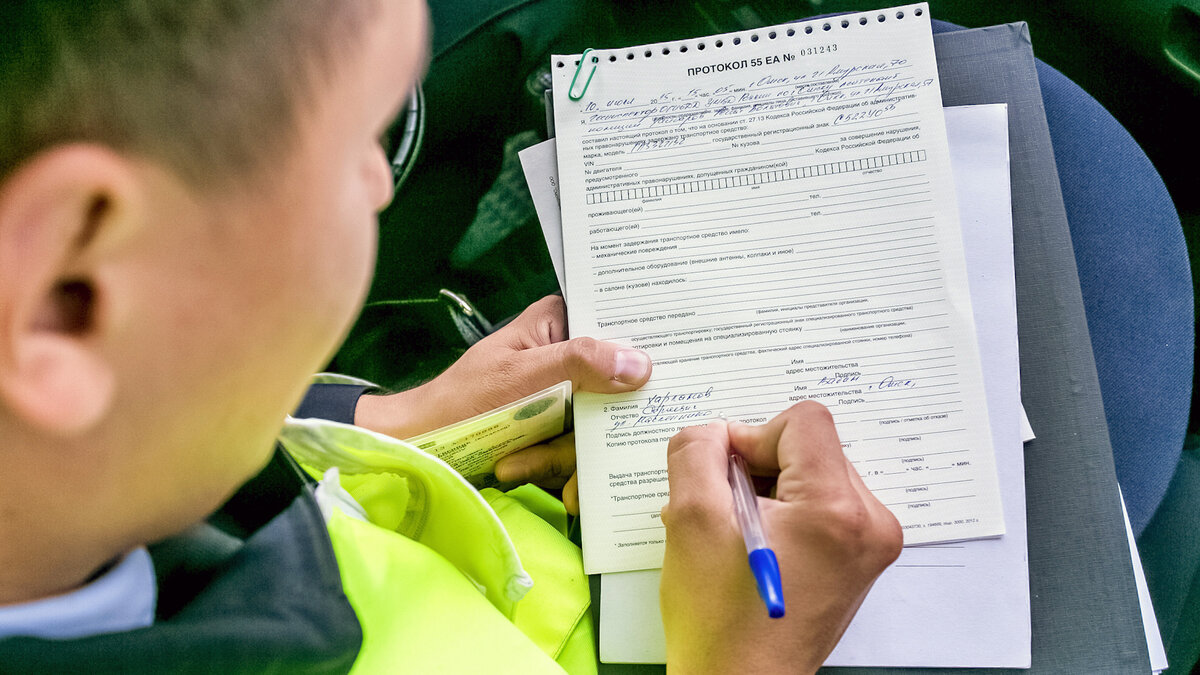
point(582, 60)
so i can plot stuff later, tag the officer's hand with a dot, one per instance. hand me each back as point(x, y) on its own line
point(526, 356)
point(830, 534)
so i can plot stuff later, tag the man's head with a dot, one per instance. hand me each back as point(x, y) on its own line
point(209, 88)
point(187, 201)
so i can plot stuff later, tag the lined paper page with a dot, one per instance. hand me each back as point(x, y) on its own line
point(770, 215)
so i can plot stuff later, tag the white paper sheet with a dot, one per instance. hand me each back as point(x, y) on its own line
point(1026, 429)
point(630, 626)
point(951, 605)
point(1154, 643)
point(540, 165)
point(774, 220)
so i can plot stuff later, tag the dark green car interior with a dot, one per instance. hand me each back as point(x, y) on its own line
point(463, 219)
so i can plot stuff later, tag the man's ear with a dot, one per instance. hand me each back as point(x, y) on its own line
point(57, 212)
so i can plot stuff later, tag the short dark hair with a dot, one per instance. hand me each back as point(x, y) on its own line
point(210, 88)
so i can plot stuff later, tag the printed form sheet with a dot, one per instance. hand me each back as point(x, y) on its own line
point(770, 215)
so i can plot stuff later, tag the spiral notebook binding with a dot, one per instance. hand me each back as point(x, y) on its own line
point(735, 39)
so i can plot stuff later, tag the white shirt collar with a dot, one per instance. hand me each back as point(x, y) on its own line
point(122, 599)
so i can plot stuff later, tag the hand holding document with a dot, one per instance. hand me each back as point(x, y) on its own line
point(472, 447)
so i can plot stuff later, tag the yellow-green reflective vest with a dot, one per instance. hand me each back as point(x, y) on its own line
point(445, 578)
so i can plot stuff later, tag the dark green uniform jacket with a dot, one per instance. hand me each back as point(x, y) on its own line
point(393, 564)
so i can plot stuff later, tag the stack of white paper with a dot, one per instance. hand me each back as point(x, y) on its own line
point(963, 604)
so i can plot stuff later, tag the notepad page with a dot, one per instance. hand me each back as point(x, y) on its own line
point(770, 215)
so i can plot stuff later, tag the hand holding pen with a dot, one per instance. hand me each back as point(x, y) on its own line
point(831, 536)
point(763, 563)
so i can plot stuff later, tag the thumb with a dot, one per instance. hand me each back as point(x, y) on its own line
point(591, 365)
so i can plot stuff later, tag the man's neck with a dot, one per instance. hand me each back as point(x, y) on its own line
point(49, 540)
point(41, 559)
point(24, 579)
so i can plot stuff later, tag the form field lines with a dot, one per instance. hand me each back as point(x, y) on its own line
point(613, 317)
point(760, 177)
point(927, 404)
point(799, 204)
point(806, 250)
point(922, 433)
point(918, 485)
point(872, 323)
point(639, 529)
point(786, 237)
point(891, 458)
point(633, 339)
point(931, 499)
point(791, 346)
point(797, 261)
point(862, 297)
point(892, 417)
point(904, 353)
point(801, 84)
point(774, 283)
point(854, 187)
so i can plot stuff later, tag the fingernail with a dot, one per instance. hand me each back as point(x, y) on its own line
point(632, 366)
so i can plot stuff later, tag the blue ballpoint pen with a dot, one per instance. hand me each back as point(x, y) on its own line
point(763, 563)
